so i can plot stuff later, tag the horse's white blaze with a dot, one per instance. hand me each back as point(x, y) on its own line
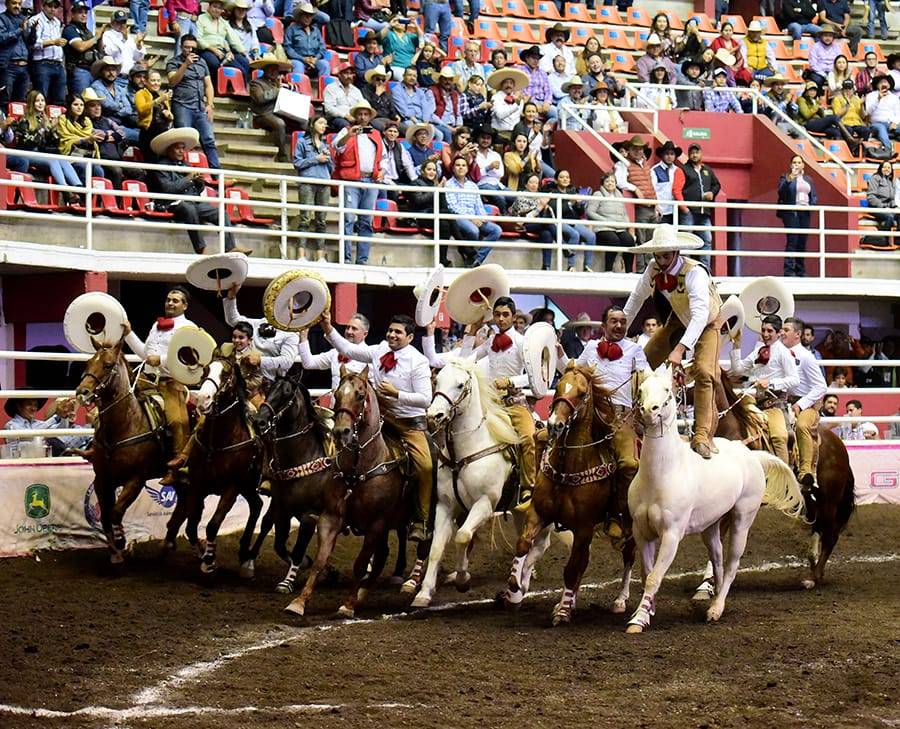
point(208, 389)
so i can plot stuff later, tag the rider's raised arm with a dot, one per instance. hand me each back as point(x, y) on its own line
point(741, 365)
point(137, 346)
point(232, 315)
point(697, 284)
point(272, 366)
point(310, 361)
point(435, 359)
point(359, 352)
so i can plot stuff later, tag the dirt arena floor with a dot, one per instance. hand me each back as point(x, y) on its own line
point(158, 646)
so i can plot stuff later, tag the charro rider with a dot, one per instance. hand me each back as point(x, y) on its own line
point(155, 374)
point(402, 378)
point(695, 302)
point(615, 359)
point(506, 369)
point(771, 369)
point(355, 332)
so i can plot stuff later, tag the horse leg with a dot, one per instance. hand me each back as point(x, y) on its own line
point(265, 527)
point(194, 509)
point(304, 535)
point(360, 567)
point(129, 493)
point(572, 574)
point(443, 528)
point(534, 525)
point(329, 528)
point(522, 569)
point(655, 571)
point(245, 556)
point(712, 538)
point(481, 511)
point(105, 501)
point(737, 542)
point(621, 601)
point(462, 578)
point(376, 567)
point(226, 501)
point(707, 587)
point(179, 515)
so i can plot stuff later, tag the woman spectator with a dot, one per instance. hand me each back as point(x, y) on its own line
point(240, 22)
point(461, 145)
point(614, 222)
point(36, 132)
point(848, 108)
point(519, 161)
point(573, 210)
point(812, 116)
point(423, 202)
point(726, 41)
point(881, 197)
point(113, 137)
point(661, 26)
point(657, 93)
point(538, 134)
point(474, 106)
point(427, 61)
point(745, 99)
point(840, 72)
point(590, 48)
point(312, 160)
point(154, 112)
point(77, 137)
point(606, 120)
point(536, 211)
point(689, 44)
point(796, 188)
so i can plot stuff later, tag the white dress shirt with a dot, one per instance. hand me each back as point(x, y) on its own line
point(436, 359)
point(411, 375)
point(484, 160)
point(157, 343)
point(122, 49)
point(329, 360)
point(508, 363)
point(278, 352)
point(780, 371)
point(338, 100)
point(549, 51)
point(811, 386)
point(615, 375)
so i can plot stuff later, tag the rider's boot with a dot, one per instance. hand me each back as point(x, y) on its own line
point(809, 489)
point(526, 490)
point(174, 466)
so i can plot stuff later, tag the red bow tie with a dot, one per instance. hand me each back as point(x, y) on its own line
point(388, 361)
point(762, 356)
point(666, 281)
point(501, 342)
point(796, 358)
point(609, 350)
point(343, 358)
point(164, 324)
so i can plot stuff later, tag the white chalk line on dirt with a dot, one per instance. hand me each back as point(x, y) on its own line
point(147, 703)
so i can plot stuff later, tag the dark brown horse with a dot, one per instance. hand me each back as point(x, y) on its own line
point(741, 420)
point(369, 495)
point(128, 449)
point(573, 489)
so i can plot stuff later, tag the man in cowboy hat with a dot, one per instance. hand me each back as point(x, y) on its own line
point(193, 100)
point(772, 371)
point(633, 175)
point(83, 48)
point(370, 56)
point(355, 332)
point(304, 45)
point(652, 58)
point(109, 135)
point(402, 378)
point(340, 97)
point(883, 108)
point(782, 99)
point(720, 101)
point(538, 90)
point(263, 95)
point(662, 174)
point(822, 55)
point(116, 103)
point(23, 416)
point(577, 333)
point(574, 90)
point(837, 13)
point(695, 306)
point(446, 114)
point(172, 146)
point(508, 100)
point(757, 53)
point(556, 37)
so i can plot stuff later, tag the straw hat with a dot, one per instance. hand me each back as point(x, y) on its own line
point(827, 28)
point(755, 27)
point(496, 78)
point(304, 8)
point(723, 56)
point(582, 320)
point(570, 82)
point(245, 4)
point(378, 70)
point(653, 40)
point(184, 135)
point(775, 78)
point(89, 95)
point(102, 63)
point(270, 59)
point(447, 72)
point(666, 238)
point(359, 106)
point(413, 128)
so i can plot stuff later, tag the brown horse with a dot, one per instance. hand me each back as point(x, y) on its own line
point(573, 489)
point(369, 495)
point(224, 459)
point(741, 420)
point(128, 448)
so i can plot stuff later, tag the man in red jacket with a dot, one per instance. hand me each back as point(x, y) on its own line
point(358, 150)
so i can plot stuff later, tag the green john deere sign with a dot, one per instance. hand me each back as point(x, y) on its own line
point(37, 501)
point(695, 133)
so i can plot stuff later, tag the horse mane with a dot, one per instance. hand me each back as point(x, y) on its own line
point(319, 427)
point(750, 418)
point(604, 410)
point(498, 423)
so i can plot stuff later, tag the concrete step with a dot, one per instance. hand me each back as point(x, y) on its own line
point(226, 132)
point(241, 151)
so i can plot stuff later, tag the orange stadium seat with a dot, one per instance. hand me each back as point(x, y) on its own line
point(522, 33)
point(617, 39)
point(610, 14)
point(770, 27)
point(516, 9)
point(839, 148)
point(781, 51)
point(487, 29)
point(862, 180)
point(578, 13)
point(580, 35)
point(622, 63)
point(737, 22)
point(704, 22)
point(455, 47)
point(490, 7)
point(675, 21)
point(546, 10)
point(801, 49)
point(639, 17)
point(787, 70)
point(867, 46)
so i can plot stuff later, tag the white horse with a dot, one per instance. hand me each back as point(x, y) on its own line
point(676, 492)
point(478, 433)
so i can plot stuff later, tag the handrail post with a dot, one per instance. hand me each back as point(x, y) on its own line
point(282, 197)
point(221, 193)
point(341, 215)
point(559, 227)
point(89, 204)
point(821, 222)
point(436, 232)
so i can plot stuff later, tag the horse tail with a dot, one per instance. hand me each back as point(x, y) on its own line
point(782, 490)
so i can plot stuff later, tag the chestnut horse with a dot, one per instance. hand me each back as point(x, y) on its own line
point(128, 448)
point(370, 494)
point(573, 489)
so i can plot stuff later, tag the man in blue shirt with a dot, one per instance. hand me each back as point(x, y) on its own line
point(370, 56)
point(14, 52)
point(474, 226)
point(304, 45)
point(23, 412)
point(413, 103)
point(837, 13)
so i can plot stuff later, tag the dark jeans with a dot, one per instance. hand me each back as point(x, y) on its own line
point(196, 118)
point(695, 218)
point(824, 125)
point(886, 221)
point(621, 238)
point(79, 79)
point(18, 82)
point(194, 213)
point(50, 79)
point(796, 242)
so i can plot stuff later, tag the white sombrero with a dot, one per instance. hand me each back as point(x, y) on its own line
point(219, 272)
point(93, 315)
point(428, 297)
point(190, 351)
point(296, 300)
point(732, 317)
point(188, 136)
point(472, 294)
point(520, 78)
point(539, 351)
point(764, 297)
point(667, 238)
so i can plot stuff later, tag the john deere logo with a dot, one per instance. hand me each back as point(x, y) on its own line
point(37, 501)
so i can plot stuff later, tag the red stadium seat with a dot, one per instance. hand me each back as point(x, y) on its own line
point(239, 209)
point(455, 47)
point(197, 158)
point(233, 79)
point(27, 195)
point(300, 82)
point(163, 22)
point(391, 224)
point(137, 200)
point(295, 139)
point(277, 28)
point(16, 109)
point(97, 185)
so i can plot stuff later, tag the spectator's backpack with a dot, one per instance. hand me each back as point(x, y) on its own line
point(878, 152)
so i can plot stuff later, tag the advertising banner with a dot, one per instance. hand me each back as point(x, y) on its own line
point(876, 468)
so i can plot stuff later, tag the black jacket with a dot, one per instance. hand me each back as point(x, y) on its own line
point(696, 183)
point(174, 183)
point(797, 11)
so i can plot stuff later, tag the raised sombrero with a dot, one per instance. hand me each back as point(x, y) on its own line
point(666, 238)
point(190, 351)
point(732, 317)
point(429, 296)
point(764, 297)
point(218, 272)
point(472, 294)
point(93, 316)
point(296, 300)
point(539, 351)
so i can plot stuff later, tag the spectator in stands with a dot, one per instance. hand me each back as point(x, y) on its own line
point(401, 40)
point(653, 58)
point(377, 92)
point(82, 49)
point(573, 210)
point(475, 108)
point(798, 17)
point(438, 18)
point(557, 79)
point(822, 55)
point(689, 44)
point(499, 59)
point(396, 165)
point(116, 104)
point(856, 430)
point(461, 145)
point(590, 48)
point(358, 151)
point(240, 24)
point(77, 137)
point(538, 212)
point(760, 57)
point(312, 160)
point(811, 114)
point(837, 13)
point(172, 146)
point(538, 90)
point(340, 97)
point(721, 101)
point(662, 174)
point(689, 75)
point(556, 38)
point(596, 72)
point(648, 329)
point(137, 80)
point(606, 120)
point(613, 222)
point(508, 85)
point(893, 65)
point(413, 103)
point(260, 11)
point(192, 95)
point(848, 109)
point(183, 16)
point(657, 93)
point(490, 169)
point(839, 378)
point(304, 45)
point(883, 109)
point(829, 406)
point(428, 64)
point(124, 49)
point(746, 96)
point(867, 73)
point(13, 53)
point(263, 95)
point(47, 70)
point(867, 375)
point(154, 111)
point(468, 65)
point(7, 139)
point(522, 321)
point(518, 161)
point(474, 12)
point(808, 338)
point(370, 56)
point(697, 183)
point(877, 8)
point(882, 197)
point(633, 175)
point(727, 42)
point(23, 416)
point(538, 135)
point(840, 72)
point(218, 43)
point(423, 202)
point(474, 226)
point(575, 338)
point(139, 11)
point(575, 109)
point(446, 114)
point(113, 136)
point(663, 29)
point(421, 144)
point(36, 132)
point(796, 188)
point(780, 98)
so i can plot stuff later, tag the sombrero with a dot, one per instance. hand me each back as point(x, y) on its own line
point(428, 297)
point(413, 128)
point(766, 296)
point(539, 351)
point(378, 70)
point(219, 272)
point(496, 78)
point(270, 59)
point(558, 28)
point(668, 146)
point(880, 77)
point(732, 317)
point(827, 28)
point(585, 321)
point(472, 294)
point(296, 300)
point(102, 63)
point(190, 350)
point(723, 56)
point(667, 238)
point(89, 95)
point(93, 315)
point(775, 78)
point(9, 405)
point(185, 135)
point(359, 106)
point(570, 82)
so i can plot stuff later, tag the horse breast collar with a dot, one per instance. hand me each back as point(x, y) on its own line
point(591, 475)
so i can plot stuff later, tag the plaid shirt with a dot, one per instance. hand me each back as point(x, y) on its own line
point(464, 203)
point(46, 29)
point(721, 101)
point(539, 88)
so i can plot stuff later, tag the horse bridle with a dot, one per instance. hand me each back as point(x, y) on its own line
point(357, 419)
point(454, 407)
point(276, 415)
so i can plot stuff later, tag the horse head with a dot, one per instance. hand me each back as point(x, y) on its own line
point(352, 404)
point(657, 401)
point(210, 385)
point(453, 388)
point(99, 371)
point(573, 393)
point(286, 399)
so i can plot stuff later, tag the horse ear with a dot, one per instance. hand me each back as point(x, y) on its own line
point(97, 343)
point(295, 373)
point(570, 365)
point(365, 372)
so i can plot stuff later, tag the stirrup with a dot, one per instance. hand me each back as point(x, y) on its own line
point(524, 499)
point(170, 478)
point(418, 532)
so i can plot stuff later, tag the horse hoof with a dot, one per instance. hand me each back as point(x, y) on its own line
point(409, 587)
point(117, 558)
point(634, 629)
point(345, 612)
point(284, 588)
point(463, 536)
point(200, 548)
point(713, 614)
point(208, 568)
point(808, 584)
point(361, 594)
point(618, 607)
point(705, 591)
point(421, 601)
point(296, 608)
point(561, 618)
point(463, 584)
point(247, 570)
point(512, 598)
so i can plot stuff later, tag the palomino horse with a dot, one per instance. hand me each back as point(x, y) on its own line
point(573, 489)
point(128, 448)
point(676, 492)
point(224, 459)
point(741, 420)
point(474, 464)
point(369, 494)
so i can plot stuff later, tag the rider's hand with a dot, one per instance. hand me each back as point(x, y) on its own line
point(502, 383)
point(762, 384)
point(430, 329)
point(304, 335)
point(676, 355)
point(232, 290)
point(326, 322)
point(386, 389)
point(796, 408)
point(153, 360)
point(126, 328)
point(254, 359)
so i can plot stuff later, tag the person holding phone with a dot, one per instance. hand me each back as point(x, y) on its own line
point(796, 188)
